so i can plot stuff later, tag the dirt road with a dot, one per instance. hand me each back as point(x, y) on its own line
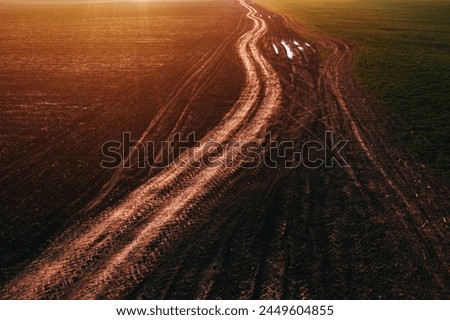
point(374, 229)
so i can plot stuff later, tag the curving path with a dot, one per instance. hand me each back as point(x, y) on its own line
point(103, 258)
point(374, 229)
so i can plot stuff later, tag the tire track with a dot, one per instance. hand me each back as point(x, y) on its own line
point(294, 234)
point(199, 76)
point(100, 259)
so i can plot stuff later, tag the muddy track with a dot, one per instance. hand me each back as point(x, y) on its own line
point(369, 230)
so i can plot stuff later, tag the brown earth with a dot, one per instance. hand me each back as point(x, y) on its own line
point(375, 229)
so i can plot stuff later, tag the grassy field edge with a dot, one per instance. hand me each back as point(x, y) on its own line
point(403, 58)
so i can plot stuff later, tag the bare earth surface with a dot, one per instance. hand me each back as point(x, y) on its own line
point(375, 229)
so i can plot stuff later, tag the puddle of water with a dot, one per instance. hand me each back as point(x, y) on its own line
point(289, 52)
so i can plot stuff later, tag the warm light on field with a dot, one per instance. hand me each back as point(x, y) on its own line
point(220, 150)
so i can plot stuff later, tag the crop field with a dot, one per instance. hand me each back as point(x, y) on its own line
point(403, 58)
point(75, 76)
point(267, 149)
